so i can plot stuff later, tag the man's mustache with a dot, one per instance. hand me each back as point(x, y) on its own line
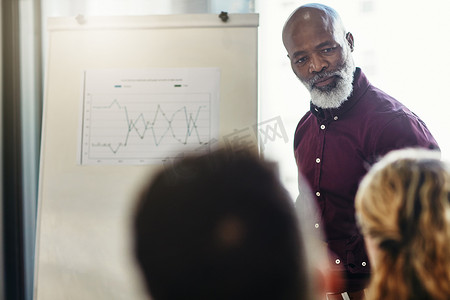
point(323, 74)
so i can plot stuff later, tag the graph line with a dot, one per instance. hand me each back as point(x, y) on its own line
point(147, 116)
point(144, 126)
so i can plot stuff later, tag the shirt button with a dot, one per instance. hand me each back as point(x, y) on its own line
point(317, 160)
point(337, 261)
point(336, 118)
point(322, 126)
point(363, 263)
point(316, 225)
point(318, 194)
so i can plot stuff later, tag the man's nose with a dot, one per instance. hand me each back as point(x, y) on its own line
point(317, 64)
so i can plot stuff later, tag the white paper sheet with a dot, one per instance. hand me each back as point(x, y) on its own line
point(147, 116)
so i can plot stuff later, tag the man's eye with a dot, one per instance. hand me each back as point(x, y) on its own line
point(328, 50)
point(300, 61)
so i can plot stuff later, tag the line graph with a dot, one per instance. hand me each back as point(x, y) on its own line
point(147, 116)
point(142, 128)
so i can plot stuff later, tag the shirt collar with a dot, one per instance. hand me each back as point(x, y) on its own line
point(360, 85)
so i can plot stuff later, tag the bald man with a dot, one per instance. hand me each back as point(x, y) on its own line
point(349, 126)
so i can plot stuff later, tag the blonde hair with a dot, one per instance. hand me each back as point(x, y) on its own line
point(403, 205)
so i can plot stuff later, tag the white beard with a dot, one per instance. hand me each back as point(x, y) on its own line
point(334, 96)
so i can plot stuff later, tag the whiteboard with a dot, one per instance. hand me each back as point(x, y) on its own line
point(84, 240)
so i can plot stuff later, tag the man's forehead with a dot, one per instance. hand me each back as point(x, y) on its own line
point(308, 24)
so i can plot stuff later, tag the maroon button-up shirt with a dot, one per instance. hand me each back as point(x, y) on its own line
point(334, 149)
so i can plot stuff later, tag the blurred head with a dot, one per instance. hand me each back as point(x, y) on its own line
point(403, 209)
point(319, 50)
point(219, 226)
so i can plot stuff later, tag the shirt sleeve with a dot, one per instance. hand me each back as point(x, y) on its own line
point(404, 131)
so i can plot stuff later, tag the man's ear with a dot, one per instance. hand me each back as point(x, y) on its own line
point(350, 41)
